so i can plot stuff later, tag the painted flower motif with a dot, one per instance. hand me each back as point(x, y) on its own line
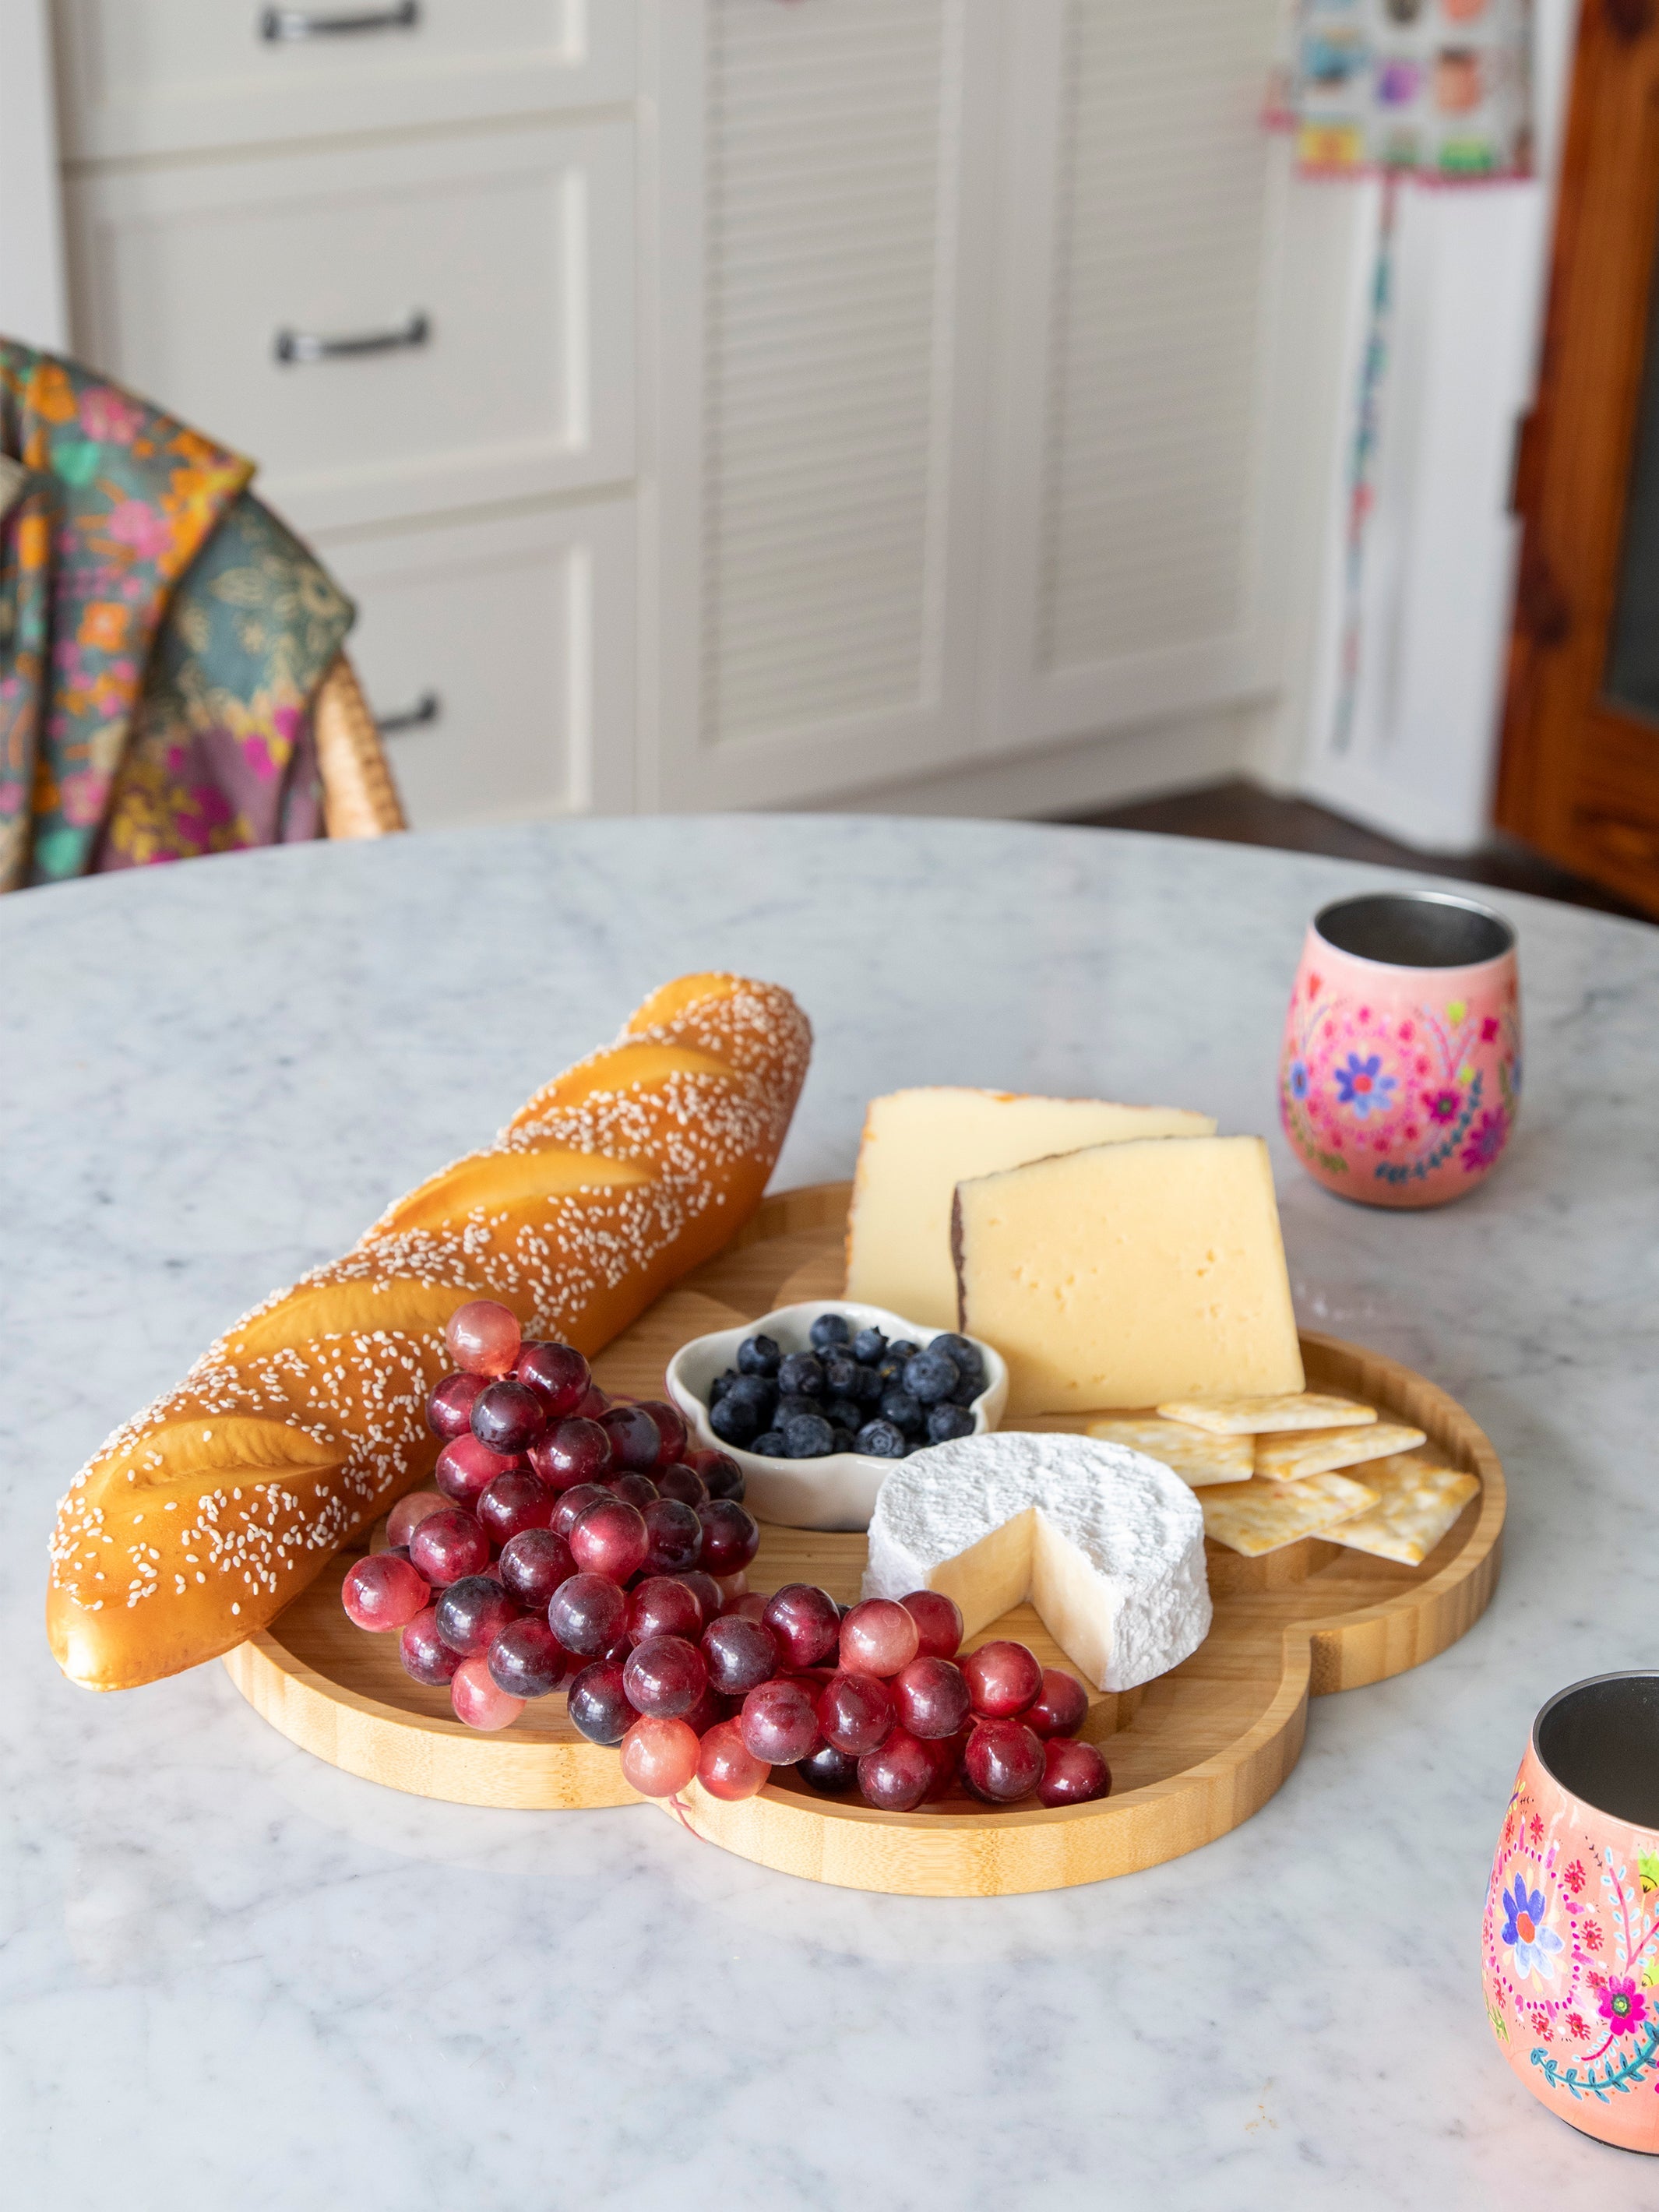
point(1362, 1086)
point(1443, 1105)
point(1535, 1945)
point(1536, 1828)
point(1540, 2023)
point(109, 416)
point(1579, 2027)
point(1589, 1935)
point(1485, 1140)
point(1488, 1029)
point(1299, 1078)
point(1574, 1877)
point(1622, 2005)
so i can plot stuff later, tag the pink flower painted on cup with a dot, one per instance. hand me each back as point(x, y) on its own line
point(1400, 1074)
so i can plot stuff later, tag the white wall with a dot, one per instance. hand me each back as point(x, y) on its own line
point(32, 299)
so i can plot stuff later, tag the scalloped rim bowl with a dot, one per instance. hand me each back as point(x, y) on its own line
point(836, 1491)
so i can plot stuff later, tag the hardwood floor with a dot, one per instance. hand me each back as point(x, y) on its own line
point(1242, 813)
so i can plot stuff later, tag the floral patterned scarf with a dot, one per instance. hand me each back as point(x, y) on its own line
point(161, 638)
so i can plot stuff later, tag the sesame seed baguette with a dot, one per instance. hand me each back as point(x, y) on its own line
point(202, 1516)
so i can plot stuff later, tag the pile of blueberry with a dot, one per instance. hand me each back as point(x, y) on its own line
point(848, 1394)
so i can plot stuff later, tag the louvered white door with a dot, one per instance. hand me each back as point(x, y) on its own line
point(1129, 567)
point(827, 172)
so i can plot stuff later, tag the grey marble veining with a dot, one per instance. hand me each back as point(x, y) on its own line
point(231, 1976)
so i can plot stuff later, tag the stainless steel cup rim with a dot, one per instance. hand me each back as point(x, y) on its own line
point(1375, 909)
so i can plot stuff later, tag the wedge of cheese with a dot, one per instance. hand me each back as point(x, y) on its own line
point(918, 1145)
point(1130, 1274)
point(1108, 1544)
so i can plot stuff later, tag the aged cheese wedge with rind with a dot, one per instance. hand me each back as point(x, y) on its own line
point(918, 1145)
point(1130, 1274)
point(1108, 1544)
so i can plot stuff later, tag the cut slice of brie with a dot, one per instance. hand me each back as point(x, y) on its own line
point(1108, 1544)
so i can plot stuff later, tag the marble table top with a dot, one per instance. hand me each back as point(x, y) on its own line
point(230, 1975)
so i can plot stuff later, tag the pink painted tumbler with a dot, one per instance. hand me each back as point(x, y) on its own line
point(1400, 1074)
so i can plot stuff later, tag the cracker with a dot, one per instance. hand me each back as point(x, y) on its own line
point(1254, 1416)
point(1197, 1457)
point(1253, 1517)
point(1417, 1502)
point(1293, 1456)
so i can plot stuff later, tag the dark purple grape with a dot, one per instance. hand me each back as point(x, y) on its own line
point(512, 1502)
point(674, 1537)
point(573, 1505)
point(663, 1606)
point(449, 1409)
point(897, 1776)
point(633, 1488)
point(526, 1659)
point(740, 1655)
point(806, 1622)
point(855, 1712)
point(449, 1545)
point(507, 1416)
point(828, 1770)
point(574, 1451)
point(778, 1723)
point(664, 1677)
point(473, 1613)
point(426, 1657)
point(635, 1439)
point(682, 1483)
point(557, 1374)
point(1004, 1761)
point(931, 1697)
point(707, 1591)
point(724, 1477)
point(532, 1565)
point(599, 1703)
point(670, 1424)
point(730, 1537)
point(587, 1613)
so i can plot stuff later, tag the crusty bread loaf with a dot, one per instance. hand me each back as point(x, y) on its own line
point(203, 1516)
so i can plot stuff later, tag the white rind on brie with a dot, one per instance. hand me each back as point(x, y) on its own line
point(1108, 1544)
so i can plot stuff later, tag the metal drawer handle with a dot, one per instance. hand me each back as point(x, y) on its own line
point(279, 25)
point(304, 345)
point(426, 708)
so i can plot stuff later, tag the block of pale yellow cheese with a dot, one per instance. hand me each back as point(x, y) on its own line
point(1129, 1274)
point(918, 1145)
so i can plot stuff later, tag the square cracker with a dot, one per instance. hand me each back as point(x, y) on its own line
point(1416, 1502)
point(1253, 1517)
point(1254, 1416)
point(1301, 1452)
point(1195, 1456)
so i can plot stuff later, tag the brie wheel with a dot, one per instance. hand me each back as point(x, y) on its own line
point(1108, 1544)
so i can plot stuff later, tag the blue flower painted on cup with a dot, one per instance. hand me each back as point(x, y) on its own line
point(1362, 1086)
point(1299, 1078)
point(1533, 1944)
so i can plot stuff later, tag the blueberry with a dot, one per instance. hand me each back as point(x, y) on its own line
point(967, 1390)
point(944, 1422)
point(966, 1354)
point(867, 1387)
point(792, 1402)
point(930, 1375)
point(901, 1348)
point(770, 1445)
point(721, 1385)
point(801, 1373)
point(733, 1422)
point(881, 1440)
point(808, 1436)
point(904, 1411)
point(758, 1355)
point(843, 1414)
point(868, 1346)
point(839, 1369)
point(829, 1329)
point(843, 1440)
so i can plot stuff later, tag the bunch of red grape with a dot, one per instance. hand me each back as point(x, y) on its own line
point(573, 1541)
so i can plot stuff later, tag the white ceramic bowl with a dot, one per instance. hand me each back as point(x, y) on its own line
point(836, 1491)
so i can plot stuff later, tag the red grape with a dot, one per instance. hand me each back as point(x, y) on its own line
point(512, 1503)
point(778, 1722)
point(877, 1638)
point(806, 1622)
point(596, 1402)
point(598, 1705)
point(939, 1623)
point(670, 1423)
point(730, 1537)
point(634, 1489)
point(635, 1439)
point(740, 1655)
point(449, 1545)
point(473, 1613)
point(483, 1337)
point(946, 1752)
point(383, 1591)
point(674, 1536)
point(526, 1659)
point(728, 1768)
point(507, 1416)
point(930, 1697)
point(733, 1589)
point(659, 1756)
point(449, 1408)
point(610, 1539)
point(660, 1606)
point(710, 1710)
point(897, 1776)
point(750, 1605)
point(664, 1677)
point(1003, 1762)
point(532, 1565)
point(1073, 1773)
point(679, 1481)
point(407, 1515)
point(855, 1712)
point(707, 1591)
point(573, 1505)
point(1061, 1708)
point(1003, 1679)
point(426, 1657)
point(477, 1699)
point(720, 1472)
point(570, 1452)
point(585, 1613)
point(465, 1469)
point(557, 1374)
point(828, 1770)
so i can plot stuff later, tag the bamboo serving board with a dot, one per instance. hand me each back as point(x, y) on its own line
point(1191, 1755)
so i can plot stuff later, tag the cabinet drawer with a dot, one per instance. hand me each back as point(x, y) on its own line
point(515, 249)
point(506, 649)
point(160, 76)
